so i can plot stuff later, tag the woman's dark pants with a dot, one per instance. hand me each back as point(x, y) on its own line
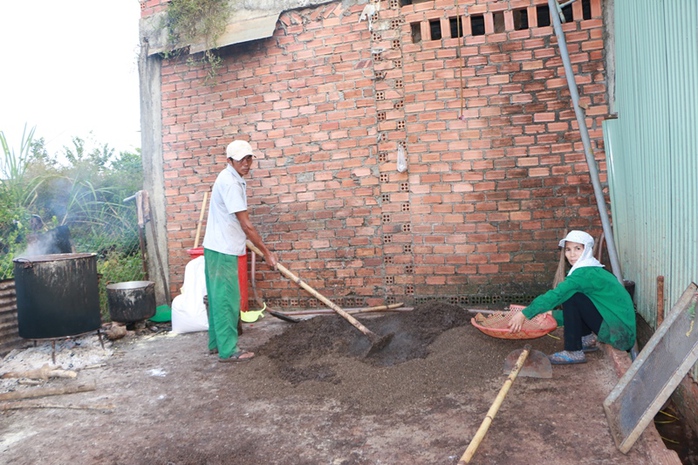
point(581, 318)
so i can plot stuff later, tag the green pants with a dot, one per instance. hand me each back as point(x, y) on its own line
point(223, 291)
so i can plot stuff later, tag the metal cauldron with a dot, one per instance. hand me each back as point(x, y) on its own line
point(57, 295)
point(131, 301)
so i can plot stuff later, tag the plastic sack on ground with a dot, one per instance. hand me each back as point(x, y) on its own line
point(188, 309)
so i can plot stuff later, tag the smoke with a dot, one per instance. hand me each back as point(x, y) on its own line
point(51, 242)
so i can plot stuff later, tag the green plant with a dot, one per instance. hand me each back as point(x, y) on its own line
point(18, 192)
point(189, 20)
point(86, 194)
point(16, 187)
point(12, 242)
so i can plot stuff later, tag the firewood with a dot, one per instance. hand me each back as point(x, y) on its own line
point(116, 332)
point(29, 382)
point(44, 373)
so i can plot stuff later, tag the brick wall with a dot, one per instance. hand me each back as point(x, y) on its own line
point(151, 7)
point(496, 167)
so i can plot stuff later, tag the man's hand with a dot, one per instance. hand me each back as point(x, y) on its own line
point(516, 322)
point(271, 259)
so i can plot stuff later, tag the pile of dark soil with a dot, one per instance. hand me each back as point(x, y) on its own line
point(326, 356)
point(311, 395)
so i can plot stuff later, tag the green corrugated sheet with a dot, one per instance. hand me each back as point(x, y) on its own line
point(652, 147)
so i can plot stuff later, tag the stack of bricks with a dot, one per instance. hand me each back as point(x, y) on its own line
point(473, 91)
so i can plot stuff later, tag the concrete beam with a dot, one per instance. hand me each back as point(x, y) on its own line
point(153, 173)
point(249, 20)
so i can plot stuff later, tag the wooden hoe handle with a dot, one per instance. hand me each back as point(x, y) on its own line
point(201, 219)
point(286, 272)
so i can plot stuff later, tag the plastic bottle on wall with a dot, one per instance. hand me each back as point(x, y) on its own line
point(401, 159)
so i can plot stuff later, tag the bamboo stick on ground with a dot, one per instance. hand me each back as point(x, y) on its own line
point(22, 404)
point(45, 392)
point(353, 311)
point(485, 425)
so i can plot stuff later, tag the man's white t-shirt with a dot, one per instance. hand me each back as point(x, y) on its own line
point(223, 231)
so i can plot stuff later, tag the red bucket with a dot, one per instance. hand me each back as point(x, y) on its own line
point(242, 276)
point(242, 279)
point(195, 252)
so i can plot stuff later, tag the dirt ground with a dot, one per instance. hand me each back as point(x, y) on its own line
point(310, 396)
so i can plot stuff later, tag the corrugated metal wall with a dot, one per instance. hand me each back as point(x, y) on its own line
point(652, 148)
point(9, 336)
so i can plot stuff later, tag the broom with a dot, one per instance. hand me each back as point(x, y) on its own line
point(561, 267)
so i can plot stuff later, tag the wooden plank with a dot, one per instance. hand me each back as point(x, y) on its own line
point(654, 375)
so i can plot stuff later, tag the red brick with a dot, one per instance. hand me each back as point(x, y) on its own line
point(307, 100)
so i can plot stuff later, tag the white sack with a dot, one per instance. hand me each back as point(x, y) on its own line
point(188, 309)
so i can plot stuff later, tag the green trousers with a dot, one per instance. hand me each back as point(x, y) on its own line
point(223, 291)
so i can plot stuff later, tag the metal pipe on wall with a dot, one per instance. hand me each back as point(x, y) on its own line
point(555, 12)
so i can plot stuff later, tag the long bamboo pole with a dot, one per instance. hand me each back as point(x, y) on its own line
point(351, 311)
point(480, 434)
point(373, 337)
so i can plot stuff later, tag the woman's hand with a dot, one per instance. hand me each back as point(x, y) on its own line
point(516, 322)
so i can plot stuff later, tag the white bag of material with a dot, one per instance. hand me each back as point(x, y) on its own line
point(188, 309)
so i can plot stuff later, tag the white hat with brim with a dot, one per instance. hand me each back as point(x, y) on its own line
point(580, 237)
point(238, 149)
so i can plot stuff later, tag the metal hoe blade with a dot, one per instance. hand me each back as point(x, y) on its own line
point(283, 316)
point(537, 364)
point(378, 343)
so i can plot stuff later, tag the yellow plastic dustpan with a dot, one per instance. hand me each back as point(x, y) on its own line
point(251, 316)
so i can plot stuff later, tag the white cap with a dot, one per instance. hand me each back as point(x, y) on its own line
point(579, 237)
point(238, 149)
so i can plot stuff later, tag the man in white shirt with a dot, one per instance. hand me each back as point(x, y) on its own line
point(227, 229)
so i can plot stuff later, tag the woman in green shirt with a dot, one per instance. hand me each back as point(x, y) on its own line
point(594, 305)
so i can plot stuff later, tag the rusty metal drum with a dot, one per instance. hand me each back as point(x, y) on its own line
point(57, 295)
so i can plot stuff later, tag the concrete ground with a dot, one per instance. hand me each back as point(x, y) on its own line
point(161, 399)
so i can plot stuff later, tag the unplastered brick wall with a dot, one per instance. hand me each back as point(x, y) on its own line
point(472, 94)
point(151, 7)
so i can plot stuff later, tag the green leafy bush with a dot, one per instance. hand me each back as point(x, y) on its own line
point(37, 193)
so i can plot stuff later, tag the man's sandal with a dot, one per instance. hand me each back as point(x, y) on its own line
point(239, 356)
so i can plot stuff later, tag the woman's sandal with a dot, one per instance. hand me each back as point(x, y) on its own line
point(566, 358)
point(589, 343)
point(239, 356)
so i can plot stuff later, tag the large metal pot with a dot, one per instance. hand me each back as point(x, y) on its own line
point(57, 295)
point(131, 301)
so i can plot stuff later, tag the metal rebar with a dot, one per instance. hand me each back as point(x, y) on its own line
point(591, 162)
